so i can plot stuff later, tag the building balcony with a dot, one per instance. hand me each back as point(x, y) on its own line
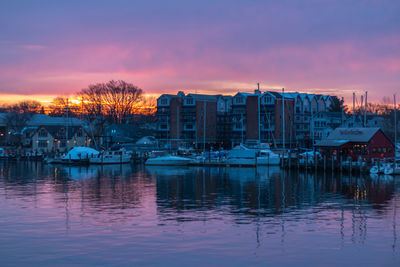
point(163, 128)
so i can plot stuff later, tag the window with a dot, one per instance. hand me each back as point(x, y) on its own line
point(163, 126)
point(267, 99)
point(239, 100)
point(79, 133)
point(42, 143)
point(164, 101)
point(189, 101)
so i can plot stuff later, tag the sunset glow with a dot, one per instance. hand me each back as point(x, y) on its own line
point(49, 49)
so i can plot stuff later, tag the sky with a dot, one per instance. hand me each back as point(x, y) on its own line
point(50, 48)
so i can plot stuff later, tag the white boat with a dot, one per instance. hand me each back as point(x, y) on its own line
point(267, 157)
point(393, 169)
point(374, 169)
point(241, 156)
point(379, 169)
point(169, 160)
point(80, 155)
point(118, 156)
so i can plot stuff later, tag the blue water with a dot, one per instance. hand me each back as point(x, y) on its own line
point(158, 216)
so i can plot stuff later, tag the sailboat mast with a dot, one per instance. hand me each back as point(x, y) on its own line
point(204, 126)
point(259, 112)
point(395, 125)
point(365, 109)
point(66, 132)
point(283, 117)
point(354, 108)
point(361, 111)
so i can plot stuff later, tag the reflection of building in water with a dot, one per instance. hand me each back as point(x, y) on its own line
point(90, 189)
point(274, 200)
point(248, 191)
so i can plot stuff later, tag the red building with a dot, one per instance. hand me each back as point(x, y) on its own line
point(289, 121)
point(367, 143)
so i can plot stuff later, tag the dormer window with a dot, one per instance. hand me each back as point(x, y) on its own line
point(189, 101)
point(239, 100)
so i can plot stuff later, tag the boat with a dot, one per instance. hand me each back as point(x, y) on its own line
point(244, 156)
point(210, 158)
point(379, 168)
point(169, 160)
point(393, 169)
point(113, 156)
point(241, 156)
point(80, 155)
point(267, 157)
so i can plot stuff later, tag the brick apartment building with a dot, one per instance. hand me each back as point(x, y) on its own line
point(194, 120)
point(223, 121)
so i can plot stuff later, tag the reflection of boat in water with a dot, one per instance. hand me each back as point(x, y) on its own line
point(94, 171)
point(79, 172)
point(387, 178)
point(113, 156)
point(168, 170)
point(374, 176)
point(169, 160)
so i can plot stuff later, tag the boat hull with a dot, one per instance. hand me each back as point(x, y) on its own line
point(265, 161)
point(100, 160)
point(241, 162)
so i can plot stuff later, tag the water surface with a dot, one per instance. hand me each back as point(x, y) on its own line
point(135, 215)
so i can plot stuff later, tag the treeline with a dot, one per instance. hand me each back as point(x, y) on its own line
point(113, 102)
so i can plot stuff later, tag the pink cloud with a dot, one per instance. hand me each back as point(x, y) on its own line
point(188, 64)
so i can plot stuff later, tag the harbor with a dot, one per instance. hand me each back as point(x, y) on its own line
point(126, 214)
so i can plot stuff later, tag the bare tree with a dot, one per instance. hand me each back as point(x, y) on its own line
point(92, 98)
point(26, 107)
point(20, 113)
point(114, 100)
point(146, 106)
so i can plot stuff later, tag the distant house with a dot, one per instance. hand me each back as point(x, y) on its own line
point(126, 133)
point(365, 143)
point(147, 140)
point(42, 119)
point(119, 133)
point(52, 138)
